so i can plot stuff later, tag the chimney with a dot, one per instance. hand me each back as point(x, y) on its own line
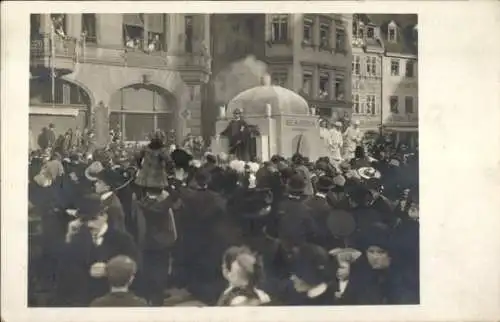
point(266, 80)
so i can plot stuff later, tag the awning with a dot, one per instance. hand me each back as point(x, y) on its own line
point(401, 129)
point(133, 19)
point(57, 110)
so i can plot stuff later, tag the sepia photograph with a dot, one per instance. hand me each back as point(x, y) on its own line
point(181, 159)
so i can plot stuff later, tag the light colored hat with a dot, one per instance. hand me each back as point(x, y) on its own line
point(93, 169)
point(338, 124)
point(368, 173)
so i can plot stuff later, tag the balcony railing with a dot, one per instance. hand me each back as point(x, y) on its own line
point(409, 119)
point(43, 47)
point(75, 51)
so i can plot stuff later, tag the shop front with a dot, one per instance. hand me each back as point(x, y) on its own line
point(67, 109)
point(138, 110)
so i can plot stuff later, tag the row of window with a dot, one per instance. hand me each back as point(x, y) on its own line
point(371, 64)
point(325, 90)
point(279, 32)
point(372, 69)
point(362, 31)
point(368, 104)
point(134, 26)
point(409, 68)
point(408, 107)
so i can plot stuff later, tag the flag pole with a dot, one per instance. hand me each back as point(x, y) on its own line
point(52, 62)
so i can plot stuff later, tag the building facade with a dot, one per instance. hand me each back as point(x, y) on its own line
point(139, 72)
point(307, 53)
point(385, 74)
point(367, 59)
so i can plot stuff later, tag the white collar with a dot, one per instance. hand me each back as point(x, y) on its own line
point(321, 195)
point(317, 290)
point(100, 236)
point(123, 289)
point(343, 285)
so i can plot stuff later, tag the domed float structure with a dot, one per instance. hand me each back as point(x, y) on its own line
point(283, 118)
point(254, 102)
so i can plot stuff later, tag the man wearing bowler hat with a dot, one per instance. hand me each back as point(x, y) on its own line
point(90, 243)
point(296, 225)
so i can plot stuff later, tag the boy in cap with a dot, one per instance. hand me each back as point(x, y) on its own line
point(121, 272)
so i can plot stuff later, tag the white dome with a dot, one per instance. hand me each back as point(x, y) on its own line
point(253, 101)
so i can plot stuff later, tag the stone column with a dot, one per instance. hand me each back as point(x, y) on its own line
point(45, 23)
point(315, 83)
point(74, 25)
point(100, 124)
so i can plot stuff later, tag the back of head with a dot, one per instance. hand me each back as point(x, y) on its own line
point(120, 271)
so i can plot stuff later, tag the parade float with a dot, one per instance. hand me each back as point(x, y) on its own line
point(285, 122)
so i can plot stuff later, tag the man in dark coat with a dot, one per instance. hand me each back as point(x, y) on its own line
point(160, 236)
point(238, 135)
point(320, 208)
point(101, 180)
point(90, 243)
point(295, 221)
point(203, 241)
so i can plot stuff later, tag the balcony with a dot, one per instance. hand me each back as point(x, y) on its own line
point(68, 52)
point(63, 50)
point(329, 108)
point(403, 120)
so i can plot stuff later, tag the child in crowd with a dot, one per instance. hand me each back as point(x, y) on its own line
point(243, 270)
point(120, 271)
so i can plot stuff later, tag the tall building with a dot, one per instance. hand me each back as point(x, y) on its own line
point(133, 72)
point(307, 53)
point(385, 74)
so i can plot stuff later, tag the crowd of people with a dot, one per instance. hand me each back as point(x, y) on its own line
point(159, 225)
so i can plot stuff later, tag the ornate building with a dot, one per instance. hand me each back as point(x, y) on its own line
point(385, 74)
point(307, 53)
point(139, 72)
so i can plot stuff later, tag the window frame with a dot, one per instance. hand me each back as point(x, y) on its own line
point(412, 64)
point(279, 28)
point(371, 104)
point(356, 64)
point(409, 99)
point(356, 104)
point(92, 39)
point(308, 22)
point(372, 29)
point(280, 76)
point(393, 37)
point(188, 33)
point(393, 62)
point(340, 31)
point(394, 108)
point(342, 86)
point(322, 75)
point(371, 66)
point(307, 75)
point(325, 45)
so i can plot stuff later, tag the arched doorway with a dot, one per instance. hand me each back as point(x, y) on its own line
point(138, 110)
point(67, 108)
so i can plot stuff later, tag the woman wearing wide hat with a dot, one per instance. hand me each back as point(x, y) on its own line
point(152, 162)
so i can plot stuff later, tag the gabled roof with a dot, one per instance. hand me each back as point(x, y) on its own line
point(406, 37)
